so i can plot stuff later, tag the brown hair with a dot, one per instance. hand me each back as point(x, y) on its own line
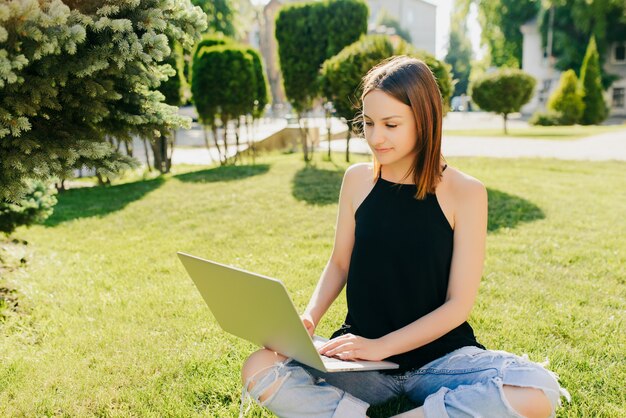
point(410, 81)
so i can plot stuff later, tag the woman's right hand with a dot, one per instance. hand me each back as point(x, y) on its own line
point(307, 320)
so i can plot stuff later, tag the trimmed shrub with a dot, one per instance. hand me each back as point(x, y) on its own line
point(551, 118)
point(504, 91)
point(567, 99)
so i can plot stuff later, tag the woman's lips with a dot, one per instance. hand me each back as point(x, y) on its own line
point(383, 149)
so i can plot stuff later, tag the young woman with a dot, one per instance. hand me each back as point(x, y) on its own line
point(410, 245)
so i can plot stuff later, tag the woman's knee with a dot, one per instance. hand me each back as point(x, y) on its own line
point(527, 401)
point(532, 390)
point(257, 366)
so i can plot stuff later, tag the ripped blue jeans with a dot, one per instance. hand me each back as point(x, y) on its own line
point(464, 383)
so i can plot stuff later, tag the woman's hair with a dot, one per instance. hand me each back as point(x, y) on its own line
point(410, 81)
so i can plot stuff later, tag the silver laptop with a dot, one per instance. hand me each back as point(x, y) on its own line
point(259, 309)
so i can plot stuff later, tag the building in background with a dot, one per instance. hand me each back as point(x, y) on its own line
point(616, 64)
point(418, 17)
point(537, 62)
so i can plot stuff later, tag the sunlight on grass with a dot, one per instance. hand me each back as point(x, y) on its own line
point(108, 323)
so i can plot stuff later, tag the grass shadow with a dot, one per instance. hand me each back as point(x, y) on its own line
point(507, 211)
point(317, 187)
point(321, 187)
point(99, 200)
point(224, 173)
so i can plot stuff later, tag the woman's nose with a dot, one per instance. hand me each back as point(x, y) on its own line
point(375, 138)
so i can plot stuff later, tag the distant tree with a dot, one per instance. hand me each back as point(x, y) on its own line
point(459, 54)
point(228, 83)
point(308, 34)
point(595, 110)
point(500, 22)
point(574, 22)
point(386, 19)
point(208, 40)
point(504, 91)
point(341, 75)
point(567, 99)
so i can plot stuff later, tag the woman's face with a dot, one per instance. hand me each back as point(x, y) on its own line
point(389, 128)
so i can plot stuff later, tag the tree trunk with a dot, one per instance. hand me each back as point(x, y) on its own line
point(237, 128)
point(206, 142)
point(304, 137)
point(348, 142)
point(159, 152)
point(217, 145)
point(156, 154)
point(225, 128)
point(145, 147)
point(103, 181)
point(129, 148)
point(163, 149)
point(328, 130)
point(505, 118)
point(171, 140)
point(250, 129)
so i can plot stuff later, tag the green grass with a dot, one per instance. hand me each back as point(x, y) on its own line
point(109, 324)
point(540, 132)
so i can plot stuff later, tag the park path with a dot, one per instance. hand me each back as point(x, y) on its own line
point(601, 147)
point(190, 147)
point(606, 146)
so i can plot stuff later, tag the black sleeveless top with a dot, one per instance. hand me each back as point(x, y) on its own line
point(399, 270)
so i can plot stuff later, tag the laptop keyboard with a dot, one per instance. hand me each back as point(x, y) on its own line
point(318, 342)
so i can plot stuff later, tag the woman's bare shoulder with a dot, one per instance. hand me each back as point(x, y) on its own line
point(464, 187)
point(360, 172)
point(461, 180)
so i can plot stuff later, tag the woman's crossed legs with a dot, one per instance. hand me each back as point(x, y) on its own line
point(467, 382)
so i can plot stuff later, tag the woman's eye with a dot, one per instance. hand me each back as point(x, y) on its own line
point(388, 126)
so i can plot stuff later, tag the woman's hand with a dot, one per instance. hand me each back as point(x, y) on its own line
point(307, 320)
point(353, 347)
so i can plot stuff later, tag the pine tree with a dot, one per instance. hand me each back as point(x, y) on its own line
point(596, 109)
point(567, 99)
point(78, 75)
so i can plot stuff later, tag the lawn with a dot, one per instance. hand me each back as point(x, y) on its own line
point(106, 321)
point(541, 132)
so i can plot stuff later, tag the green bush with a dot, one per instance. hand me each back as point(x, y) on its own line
point(567, 99)
point(550, 118)
point(35, 207)
point(209, 41)
point(262, 96)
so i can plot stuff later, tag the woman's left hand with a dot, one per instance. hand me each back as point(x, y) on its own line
point(353, 347)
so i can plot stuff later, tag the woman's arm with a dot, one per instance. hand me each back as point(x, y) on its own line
point(465, 273)
point(335, 274)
